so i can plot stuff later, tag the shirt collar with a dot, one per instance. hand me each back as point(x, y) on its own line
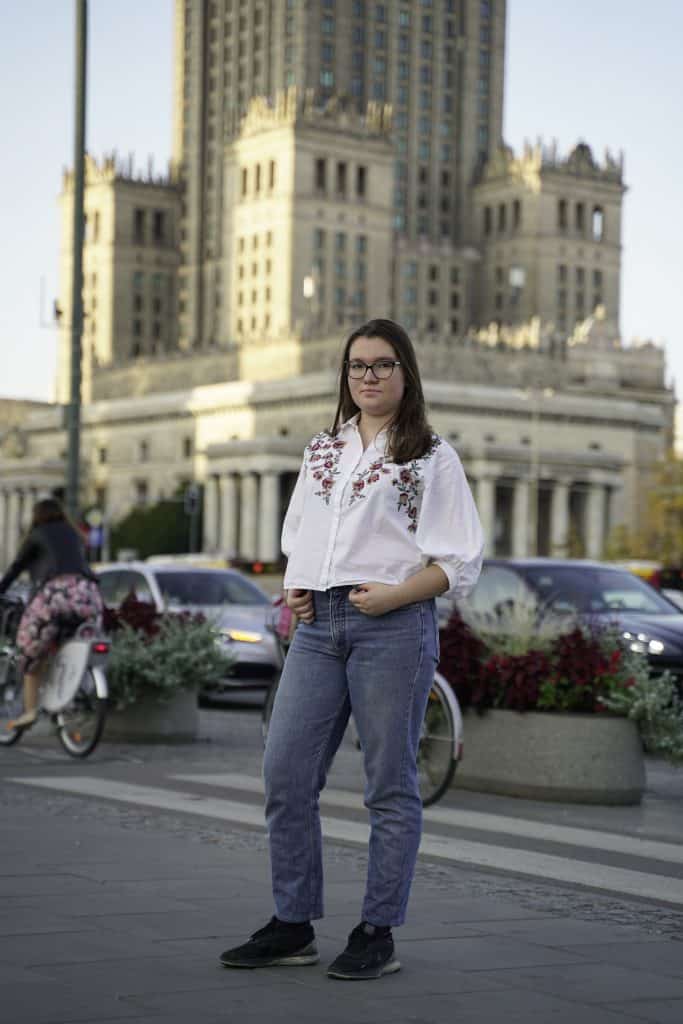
point(380, 439)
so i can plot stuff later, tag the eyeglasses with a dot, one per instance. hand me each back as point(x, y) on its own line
point(382, 369)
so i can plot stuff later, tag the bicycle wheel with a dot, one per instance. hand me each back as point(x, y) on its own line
point(80, 723)
point(435, 761)
point(267, 712)
point(11, 702)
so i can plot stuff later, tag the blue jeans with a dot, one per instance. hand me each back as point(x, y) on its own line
point(381, 668)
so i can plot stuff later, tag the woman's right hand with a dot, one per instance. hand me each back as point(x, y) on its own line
point(301, 603)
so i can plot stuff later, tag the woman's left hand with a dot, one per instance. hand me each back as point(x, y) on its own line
point(374, 598)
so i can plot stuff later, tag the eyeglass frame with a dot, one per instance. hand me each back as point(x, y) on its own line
point(371, 366)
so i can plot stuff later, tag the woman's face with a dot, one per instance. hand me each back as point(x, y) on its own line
point(373, 396)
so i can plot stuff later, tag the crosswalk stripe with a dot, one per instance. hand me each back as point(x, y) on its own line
point(612, 842)
point(454, 850)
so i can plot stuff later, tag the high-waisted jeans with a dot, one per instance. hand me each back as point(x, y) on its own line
point(381, 669)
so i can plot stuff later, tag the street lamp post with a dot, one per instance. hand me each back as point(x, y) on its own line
point(74, 407)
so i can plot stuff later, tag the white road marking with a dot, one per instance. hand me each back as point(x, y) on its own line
point(455, 850)
point(611, 842)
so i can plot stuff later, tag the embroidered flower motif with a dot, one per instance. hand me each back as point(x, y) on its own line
point(370, 475)
point(408, 483)
point(324, 454)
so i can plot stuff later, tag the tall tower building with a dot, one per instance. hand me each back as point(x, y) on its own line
point(439, 64)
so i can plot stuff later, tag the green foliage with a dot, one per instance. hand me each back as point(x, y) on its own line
point(659, 535)
point(654, 705)
point(183, 653)
point(160, 529)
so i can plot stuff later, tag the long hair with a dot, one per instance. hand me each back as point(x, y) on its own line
point(48, 510)
point(409, 435)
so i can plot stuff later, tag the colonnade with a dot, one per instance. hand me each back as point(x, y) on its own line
point(242, 514)
point(593, 527)
point(243, 510)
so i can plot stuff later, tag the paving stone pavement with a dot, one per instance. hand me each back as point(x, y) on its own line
point(116, 915)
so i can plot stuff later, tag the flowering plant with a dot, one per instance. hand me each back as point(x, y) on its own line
point(529, 660)
point(155, 654)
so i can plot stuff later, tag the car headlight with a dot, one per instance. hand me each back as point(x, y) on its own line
point(641, 643)
point(242, 636)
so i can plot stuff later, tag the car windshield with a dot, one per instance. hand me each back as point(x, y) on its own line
point(595, 591)
point(211, 589)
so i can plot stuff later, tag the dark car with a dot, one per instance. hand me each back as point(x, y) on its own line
point(593, 592)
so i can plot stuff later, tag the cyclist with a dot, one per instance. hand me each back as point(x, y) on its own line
point(381, 520)
point(65, 590)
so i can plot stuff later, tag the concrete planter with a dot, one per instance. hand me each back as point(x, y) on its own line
point(593, 759)
point(152, 721)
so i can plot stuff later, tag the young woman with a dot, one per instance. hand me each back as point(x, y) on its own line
point(381, 521)
point(65, 588)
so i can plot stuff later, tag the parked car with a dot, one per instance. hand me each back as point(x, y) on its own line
point(241, 610)
point(594, 592)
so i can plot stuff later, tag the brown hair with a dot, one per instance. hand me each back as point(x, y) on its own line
point(409, 434)
point(47, 510)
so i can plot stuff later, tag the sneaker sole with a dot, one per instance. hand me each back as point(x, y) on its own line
point(298, 960)
point(369, 975)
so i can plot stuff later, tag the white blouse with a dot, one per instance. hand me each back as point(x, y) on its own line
point(356, 517)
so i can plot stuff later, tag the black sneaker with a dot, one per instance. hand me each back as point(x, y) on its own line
point(279, 944)
point(369, 954)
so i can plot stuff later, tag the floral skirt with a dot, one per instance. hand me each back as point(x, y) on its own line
point(60, 601)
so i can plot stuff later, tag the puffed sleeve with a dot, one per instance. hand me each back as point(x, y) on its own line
point(292, 519)
point(449, 532)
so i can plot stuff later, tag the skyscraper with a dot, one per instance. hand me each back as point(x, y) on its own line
point(438, 64)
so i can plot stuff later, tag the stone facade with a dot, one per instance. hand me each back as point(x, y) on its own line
point(334, 163)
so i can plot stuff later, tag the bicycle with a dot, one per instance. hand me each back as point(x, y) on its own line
point(74, 691)
point(441, 738)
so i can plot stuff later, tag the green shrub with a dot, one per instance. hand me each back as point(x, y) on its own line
point(181, 652)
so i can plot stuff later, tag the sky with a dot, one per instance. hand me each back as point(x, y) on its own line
point(607, 72)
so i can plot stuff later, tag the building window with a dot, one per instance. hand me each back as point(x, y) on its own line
point(502, 217)
point(597, 278)
point(404, 19)
point(341, 179)
point(455, 300)
point(141, 492)
point(580, 217)
point(380, 12)
point(102, 456)
point(138, 226)
point(320, 174)
point(562, 214)
point(137, 328)
point(271, 175)
point(487, 220)
point(455, 275)
point(361, 181)
point(326, 78)
point(245, 181)
point(143, 451)
point(598, 224)
point(516, 213)
point(562, 273)
point(257, 180)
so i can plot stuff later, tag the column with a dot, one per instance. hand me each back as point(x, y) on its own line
point(595, 516)
point(249, 516)
point(4, 559)
point(269, 520)
point(559, 523)
point(12, 535)
point(520, 519)
point(228, 516)
point(486, 506)
point(210, 510)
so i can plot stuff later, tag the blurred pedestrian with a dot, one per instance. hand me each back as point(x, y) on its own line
point(64, 589)
point(381, 521)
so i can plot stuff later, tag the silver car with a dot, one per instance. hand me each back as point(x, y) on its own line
point(240, 609)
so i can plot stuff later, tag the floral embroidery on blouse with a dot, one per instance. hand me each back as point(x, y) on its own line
point(369, 476)
point(324, 454)
point(408, 483)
